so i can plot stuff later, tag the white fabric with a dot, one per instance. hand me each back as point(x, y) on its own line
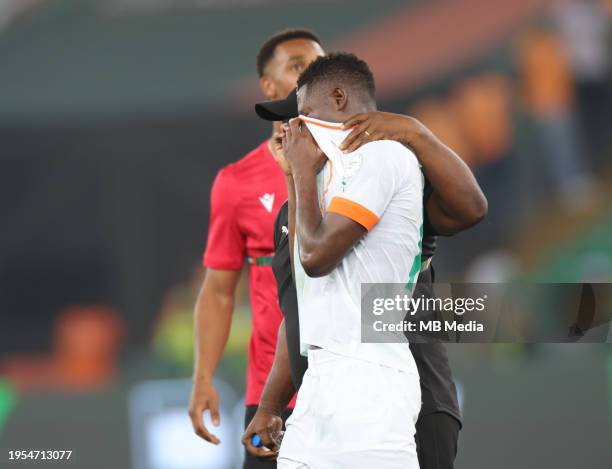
point(385, 178)
point(289, 464)
point(352, 414)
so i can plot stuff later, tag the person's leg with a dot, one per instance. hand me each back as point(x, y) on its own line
point(251, 462)
point(437, 436)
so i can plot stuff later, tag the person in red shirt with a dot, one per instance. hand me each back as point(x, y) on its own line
point(245, 199)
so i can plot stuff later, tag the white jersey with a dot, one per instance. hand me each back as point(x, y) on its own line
point(380, 186)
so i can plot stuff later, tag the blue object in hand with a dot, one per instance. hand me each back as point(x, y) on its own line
point(256, 440)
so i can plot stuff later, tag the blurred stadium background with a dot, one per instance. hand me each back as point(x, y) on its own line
point(115, 116)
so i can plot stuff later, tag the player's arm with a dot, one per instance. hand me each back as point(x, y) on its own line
point(457, 202)
point(213, 318)
point(322, 240)
point(213, 310)
point(277, 394)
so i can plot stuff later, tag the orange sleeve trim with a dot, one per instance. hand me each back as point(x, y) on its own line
point(354, 211)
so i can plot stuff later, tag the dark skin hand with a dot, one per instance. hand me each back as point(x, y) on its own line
point(277, 394)
point(213, 319)
point(266, 424)
point(323, 240)
point(457, 202)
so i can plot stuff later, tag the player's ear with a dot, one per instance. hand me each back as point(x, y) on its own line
point(268, 87)
point(339, 98)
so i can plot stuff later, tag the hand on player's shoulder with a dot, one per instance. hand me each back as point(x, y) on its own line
point(377, 125)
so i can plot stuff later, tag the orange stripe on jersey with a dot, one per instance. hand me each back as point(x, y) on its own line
point(327, 125)
point(354, 211)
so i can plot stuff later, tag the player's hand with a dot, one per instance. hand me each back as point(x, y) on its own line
point(278, 153)
point(301, 150)
point(372, 126)
point(266, 424)
point(204, 396)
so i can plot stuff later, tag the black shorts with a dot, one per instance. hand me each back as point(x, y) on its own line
point(437, 435)
point(251, 462)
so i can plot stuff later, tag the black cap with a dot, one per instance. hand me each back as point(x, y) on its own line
point(279, 109)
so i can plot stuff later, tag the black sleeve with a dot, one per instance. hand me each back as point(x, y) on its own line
point(281, 220)
point(428, 229)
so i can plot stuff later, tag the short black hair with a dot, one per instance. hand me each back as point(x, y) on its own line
point(266, 51)
point(341, 66)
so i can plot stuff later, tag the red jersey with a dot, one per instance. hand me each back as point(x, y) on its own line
point(245, 199)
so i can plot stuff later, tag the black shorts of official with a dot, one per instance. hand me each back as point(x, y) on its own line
point(251, 462)
point(437, 436)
